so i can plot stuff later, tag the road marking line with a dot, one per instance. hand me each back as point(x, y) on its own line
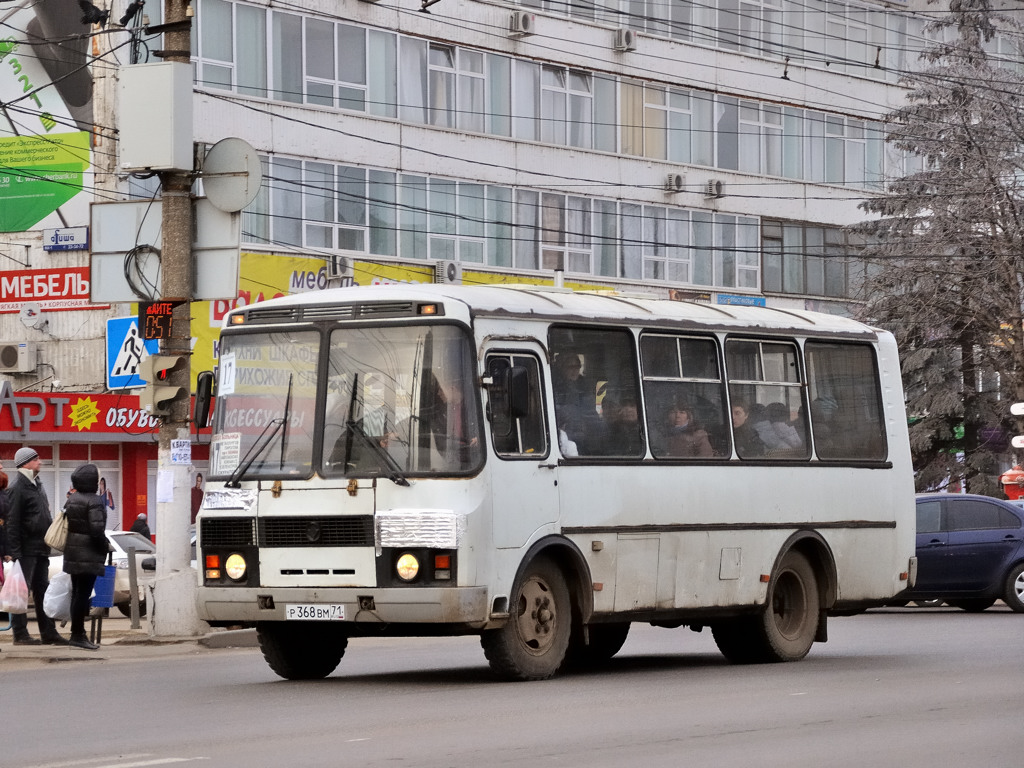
point(133, 762)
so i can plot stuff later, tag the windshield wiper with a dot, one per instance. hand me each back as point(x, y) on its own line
point(387, 460)
point(254, 451)
point(287, 413)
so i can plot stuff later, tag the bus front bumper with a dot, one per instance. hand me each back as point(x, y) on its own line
point(447, 605)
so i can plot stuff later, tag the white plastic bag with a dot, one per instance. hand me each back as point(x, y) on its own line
point(14, 594)
point(57, 600)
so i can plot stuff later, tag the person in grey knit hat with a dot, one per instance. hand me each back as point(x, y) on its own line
point(27, 520)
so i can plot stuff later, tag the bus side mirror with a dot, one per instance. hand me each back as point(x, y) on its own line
point(204, 399)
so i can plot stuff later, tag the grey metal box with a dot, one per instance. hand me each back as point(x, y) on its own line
point(155, 117)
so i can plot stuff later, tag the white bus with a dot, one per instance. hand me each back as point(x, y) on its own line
point(542, 468)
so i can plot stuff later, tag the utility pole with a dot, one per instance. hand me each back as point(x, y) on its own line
point(174, 607)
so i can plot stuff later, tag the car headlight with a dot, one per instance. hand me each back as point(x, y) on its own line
point(407, 567)
point(234, 566)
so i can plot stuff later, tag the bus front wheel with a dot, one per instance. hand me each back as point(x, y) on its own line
point(785, 629)
point(605, 641)
point(532, 644)
point(301, 650)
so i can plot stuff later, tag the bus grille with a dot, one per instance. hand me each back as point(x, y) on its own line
point(316, 531)
point(229, 532)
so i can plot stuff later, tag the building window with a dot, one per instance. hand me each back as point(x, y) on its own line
point(810, 260)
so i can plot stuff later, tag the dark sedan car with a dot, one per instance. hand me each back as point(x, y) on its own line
point(970, 551)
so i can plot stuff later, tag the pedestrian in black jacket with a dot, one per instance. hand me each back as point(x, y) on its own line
point(86, 548)
point(27, 521)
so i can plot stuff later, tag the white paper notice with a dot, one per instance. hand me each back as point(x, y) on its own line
point(181, 451)
point(164, 485)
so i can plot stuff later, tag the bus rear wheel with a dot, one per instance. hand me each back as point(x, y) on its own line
point(301, 650)
point(532, 645)
point(785, 629)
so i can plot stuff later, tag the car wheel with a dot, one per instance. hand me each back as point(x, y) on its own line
point(533, 643)
point(929, 603)
point(973, 604)
point(1013, 594)
point(126, 608)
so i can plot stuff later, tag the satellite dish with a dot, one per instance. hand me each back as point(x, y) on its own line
point(232, 174)
point(31, 315)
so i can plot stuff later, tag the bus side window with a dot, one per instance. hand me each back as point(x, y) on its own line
point(767, 394)
point(846, 404)
point(685, 397)
point(515, 405)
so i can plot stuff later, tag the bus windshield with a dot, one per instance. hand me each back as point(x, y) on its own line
point(378, 401)
point(400, 400)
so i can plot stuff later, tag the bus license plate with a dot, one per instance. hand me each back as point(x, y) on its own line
point(315, 612)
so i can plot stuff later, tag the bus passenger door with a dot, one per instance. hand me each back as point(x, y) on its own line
point(523, 473)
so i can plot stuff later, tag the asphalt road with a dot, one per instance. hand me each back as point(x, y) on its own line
point(911, 687)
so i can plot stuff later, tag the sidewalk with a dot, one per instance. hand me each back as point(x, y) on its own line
point(117, 639)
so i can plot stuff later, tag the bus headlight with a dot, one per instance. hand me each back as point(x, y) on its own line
point(407, 567)
point(234, 566)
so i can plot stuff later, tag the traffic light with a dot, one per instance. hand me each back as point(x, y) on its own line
point(156, 397)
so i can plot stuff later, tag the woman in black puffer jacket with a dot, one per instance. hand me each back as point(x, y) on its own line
point(86, 548)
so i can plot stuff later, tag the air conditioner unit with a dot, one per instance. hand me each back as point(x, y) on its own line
point(448, 272)
point(338, 267)
point(521, 24)
point(714, 189)
point(625, 39)
point(675, 182)
point(17, 356)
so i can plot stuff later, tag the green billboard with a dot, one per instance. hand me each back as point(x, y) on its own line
point(38, 174)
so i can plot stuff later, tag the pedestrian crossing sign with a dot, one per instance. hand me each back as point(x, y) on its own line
point(126, 349)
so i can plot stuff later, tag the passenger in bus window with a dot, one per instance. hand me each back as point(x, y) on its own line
point(748, 444)
point(682, 436)
point(775, 429)
point(575, 402)
point(621, 417)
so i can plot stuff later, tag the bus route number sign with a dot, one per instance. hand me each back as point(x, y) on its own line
point(155, 319)
point(314, 612)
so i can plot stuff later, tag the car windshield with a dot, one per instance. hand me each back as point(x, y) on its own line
point(132, 539)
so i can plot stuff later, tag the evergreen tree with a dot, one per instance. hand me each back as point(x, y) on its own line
point(947, 250)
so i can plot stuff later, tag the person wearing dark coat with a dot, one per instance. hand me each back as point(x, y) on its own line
point(27, 521)
point(141, 526)
point(86, 548)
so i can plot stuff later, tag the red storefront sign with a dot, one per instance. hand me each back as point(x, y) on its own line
point(65, 416)
point(53, 289)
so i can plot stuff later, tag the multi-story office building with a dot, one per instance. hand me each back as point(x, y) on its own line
point(711, 150)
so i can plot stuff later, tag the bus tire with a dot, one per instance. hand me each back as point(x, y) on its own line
point(605, 641)
point(733, 638)
point(301, 650)
point(1013, 593)
point(784, 630)
point(533, 643)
